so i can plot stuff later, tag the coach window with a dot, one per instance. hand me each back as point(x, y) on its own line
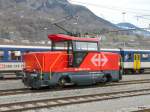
point(1, 55)
point(128, 56)
point(145, 56)
point(15, 55)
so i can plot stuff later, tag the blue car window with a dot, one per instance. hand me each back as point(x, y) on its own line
point(128, 56)
point(14, 55)
point(1, 55)
point(145, 56)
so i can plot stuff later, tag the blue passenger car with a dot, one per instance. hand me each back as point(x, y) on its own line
point(133, 60)
point(11, 57)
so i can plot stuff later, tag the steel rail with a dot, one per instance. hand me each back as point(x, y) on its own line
point(27, 90)
point(48, 103)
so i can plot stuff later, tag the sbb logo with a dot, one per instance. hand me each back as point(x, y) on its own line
point(99, 60)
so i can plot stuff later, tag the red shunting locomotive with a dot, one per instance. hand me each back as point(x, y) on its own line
point(71, 61)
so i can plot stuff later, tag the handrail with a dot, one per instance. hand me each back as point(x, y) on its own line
point(53, 65)
point(39, 65)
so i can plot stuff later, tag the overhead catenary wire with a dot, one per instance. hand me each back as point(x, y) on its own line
point(119, 9)
point(142, 14)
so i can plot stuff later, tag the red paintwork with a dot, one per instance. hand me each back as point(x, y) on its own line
point(111, 64)
point(45, 61)
point(57, 61)
point(62, 37)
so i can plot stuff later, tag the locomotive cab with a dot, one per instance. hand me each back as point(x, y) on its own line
point(76, 49)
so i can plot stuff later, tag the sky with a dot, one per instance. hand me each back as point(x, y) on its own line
point(136, 12)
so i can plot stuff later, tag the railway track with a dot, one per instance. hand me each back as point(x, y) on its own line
point(27, 90)
point(143, 110)
point(48, 103)
point(10, 78)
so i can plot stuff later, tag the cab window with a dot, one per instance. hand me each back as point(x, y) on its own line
point(86, 46)
point(60, 46)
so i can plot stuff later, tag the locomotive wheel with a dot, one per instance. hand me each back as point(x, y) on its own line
point(62, 82)
point(107, 78)
point(104, 79)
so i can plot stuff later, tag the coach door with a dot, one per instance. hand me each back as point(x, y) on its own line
point(137, 61)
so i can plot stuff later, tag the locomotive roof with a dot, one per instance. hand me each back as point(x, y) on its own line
point(62, 37)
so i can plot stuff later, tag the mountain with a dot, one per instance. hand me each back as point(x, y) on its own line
point(133, 29)
point(32, 19)
point(126, 26)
